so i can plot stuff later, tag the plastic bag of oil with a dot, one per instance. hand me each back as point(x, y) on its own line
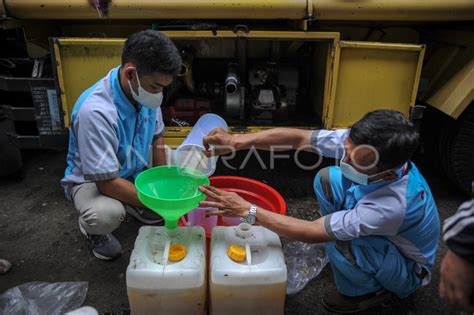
point(43, 298)
point(304, 262)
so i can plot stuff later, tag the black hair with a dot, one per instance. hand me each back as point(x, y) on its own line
point(152, 52)
point(393, 136)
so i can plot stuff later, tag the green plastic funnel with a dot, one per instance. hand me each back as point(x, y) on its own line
point(170, 191)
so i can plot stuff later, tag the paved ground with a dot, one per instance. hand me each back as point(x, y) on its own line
point(39, 235)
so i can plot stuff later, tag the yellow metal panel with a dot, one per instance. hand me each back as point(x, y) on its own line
point(440, 60)
point(394, 10)
point(162, 9)
point(330, 88)
point(369, 76)
point(454, 97)
point(80, 63)
point(361, 10)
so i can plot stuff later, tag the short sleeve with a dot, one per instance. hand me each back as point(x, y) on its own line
point(97, 145)
point(329, 143)
point(380, 216)
point(458, 231)
point(160, 125)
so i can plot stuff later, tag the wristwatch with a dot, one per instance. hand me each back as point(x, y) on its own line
point(251, 217)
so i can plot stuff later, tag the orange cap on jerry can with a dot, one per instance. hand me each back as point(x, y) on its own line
point(236, 253)
point(177, 252)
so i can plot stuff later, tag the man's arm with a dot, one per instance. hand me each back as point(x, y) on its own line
point(231, 204)
point(292, 138)
point(458, 231)
point(120, 189)
point(159, 154)
point(125, 191)
point(381, 216)
point(457, 268)
point(277, 139)
point(328, 143)
point(292, 228)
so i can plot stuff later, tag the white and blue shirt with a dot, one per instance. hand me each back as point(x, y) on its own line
point(109, 137)
point(403, 210)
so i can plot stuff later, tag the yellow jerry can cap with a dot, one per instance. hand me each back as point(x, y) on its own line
point(177, 252)
point(236, 253)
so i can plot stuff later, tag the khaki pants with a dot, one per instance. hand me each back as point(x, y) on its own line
point(98, 214)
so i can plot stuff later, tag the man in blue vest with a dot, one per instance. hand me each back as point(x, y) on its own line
point(116, 132)
point(379, 220)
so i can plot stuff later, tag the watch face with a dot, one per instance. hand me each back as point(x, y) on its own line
point(250, 219)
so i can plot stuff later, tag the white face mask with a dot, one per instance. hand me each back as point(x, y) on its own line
point(150, 100)
point(349, 172)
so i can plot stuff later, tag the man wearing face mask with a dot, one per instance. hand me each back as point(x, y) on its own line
point(378, 216)
point(116, 132)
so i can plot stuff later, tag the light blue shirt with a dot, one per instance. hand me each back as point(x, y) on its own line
point(403, 209)
point(109, 137)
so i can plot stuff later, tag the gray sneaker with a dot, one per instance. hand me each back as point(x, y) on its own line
point(104, 247)
point(144, 215)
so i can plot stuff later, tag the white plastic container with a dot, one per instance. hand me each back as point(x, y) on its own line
point(256, 285)
point(85, 310)
point(190, 154)
point(156, 285)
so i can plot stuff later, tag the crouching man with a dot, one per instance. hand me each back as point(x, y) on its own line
point(116, 132)
point(379, 220)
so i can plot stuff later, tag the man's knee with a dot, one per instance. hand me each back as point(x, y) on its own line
point(322, 184)
point(103, 216)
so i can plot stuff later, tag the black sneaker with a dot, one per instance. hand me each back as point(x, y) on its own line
point(104, 247)
point(144, 215)
point(339, 303)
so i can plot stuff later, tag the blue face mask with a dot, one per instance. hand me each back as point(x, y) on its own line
point(349, 172)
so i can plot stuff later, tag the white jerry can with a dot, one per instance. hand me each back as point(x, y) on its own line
point(247, 271)
point(167, 271)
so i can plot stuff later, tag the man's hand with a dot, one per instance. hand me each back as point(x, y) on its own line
point(220, 141)
point(457, 281)
point(228, 204)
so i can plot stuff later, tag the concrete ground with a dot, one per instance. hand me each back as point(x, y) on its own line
point(40, 236)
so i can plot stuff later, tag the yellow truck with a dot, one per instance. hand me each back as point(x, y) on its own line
point(302, 63)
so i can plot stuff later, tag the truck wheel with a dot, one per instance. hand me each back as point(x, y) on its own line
point(456, 150)
point(10, 155)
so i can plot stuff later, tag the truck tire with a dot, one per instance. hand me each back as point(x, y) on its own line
point(456, 149)
point(10, 155)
